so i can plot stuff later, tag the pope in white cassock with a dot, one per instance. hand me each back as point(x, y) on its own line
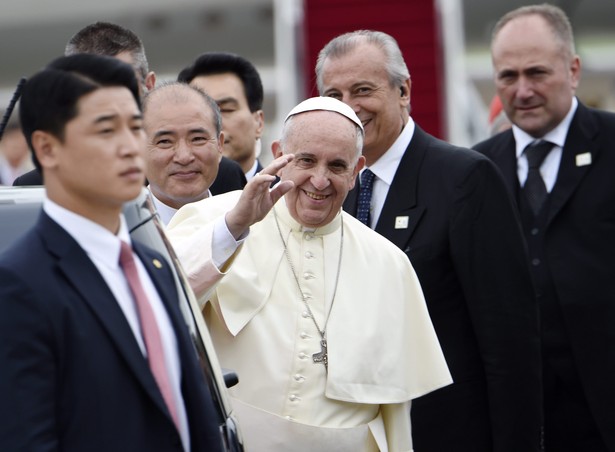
point(322, 318)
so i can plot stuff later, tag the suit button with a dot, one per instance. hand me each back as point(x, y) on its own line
point(534, 231)
point(535, 262)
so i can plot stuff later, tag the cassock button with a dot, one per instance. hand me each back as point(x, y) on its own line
point(305, 315)
point(309, 255)
point(293, 398)
point(535, 262)
point(299, 377)
point(304, 335)
point(535, 231)
point(302, 355)
point(308, 236)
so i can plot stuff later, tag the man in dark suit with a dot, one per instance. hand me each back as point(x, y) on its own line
point(94, 354)
point(234, 83)
point(104, 38)
point(448, 209)
point(566, 196)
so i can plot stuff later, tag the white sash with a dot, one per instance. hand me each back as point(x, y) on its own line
point(266, 432)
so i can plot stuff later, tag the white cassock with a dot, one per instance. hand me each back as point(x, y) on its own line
point(382, 349)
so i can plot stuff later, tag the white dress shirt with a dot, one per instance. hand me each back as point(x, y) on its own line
point(385, 168)
point(550, 166)
point(103, 248)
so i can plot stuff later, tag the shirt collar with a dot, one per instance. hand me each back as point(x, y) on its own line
point(556, 136)
point(386, 166)
point(97, 241)
point(281, 210)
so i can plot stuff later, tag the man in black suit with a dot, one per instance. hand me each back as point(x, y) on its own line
point(234, 83)
point(91, 359)
point(104, 38)
point(567, 205)
point(448, 209)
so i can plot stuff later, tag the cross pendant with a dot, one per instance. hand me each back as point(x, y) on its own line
point(321, 357)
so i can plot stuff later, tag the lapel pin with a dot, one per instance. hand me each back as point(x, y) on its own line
point(157, 263)
point(401, 222)
point(584, 159)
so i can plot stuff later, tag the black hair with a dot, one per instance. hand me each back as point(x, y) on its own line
point(211, 63)
point(50, 97)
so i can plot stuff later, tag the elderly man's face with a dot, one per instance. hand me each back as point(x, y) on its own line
point(324, 168)
point(534, 76)
point(359, 79)
point(183, 150)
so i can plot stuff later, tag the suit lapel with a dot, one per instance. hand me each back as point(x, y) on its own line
point(400, 213)
point(579, 143)
point(350, 203)
point(83, 275)
point(504, 155)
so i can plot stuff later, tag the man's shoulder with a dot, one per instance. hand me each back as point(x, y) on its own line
point(371, 241)
point(206, 209)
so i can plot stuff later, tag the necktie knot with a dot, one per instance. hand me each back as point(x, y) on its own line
point(536, 153)
point(365, 196)
point(367, 179)
point(534, 188)
point(126, 257)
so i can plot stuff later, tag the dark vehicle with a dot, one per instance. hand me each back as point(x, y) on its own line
point(19, 209)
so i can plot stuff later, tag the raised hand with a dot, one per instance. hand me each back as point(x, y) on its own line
point(258, 198)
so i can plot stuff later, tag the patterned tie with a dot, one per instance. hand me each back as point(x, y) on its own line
point(149, 329)
point(365, 196)
point(534, 188)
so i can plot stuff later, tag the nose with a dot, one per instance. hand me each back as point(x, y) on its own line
point(351, 101)
point(525, 88)
point(131, 142)
point(183, 153)
point(320, 179)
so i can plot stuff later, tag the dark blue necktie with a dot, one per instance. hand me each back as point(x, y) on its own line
point(534, 188)
point(365, 196)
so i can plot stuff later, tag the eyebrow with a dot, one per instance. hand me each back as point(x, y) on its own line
point(114, 116)
point(227, 100)
point(172, 132)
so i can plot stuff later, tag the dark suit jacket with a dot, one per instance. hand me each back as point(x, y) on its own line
point(580, 246)
point(230, 177)
point(33, 177)
point(72, 375)
point(465, 243)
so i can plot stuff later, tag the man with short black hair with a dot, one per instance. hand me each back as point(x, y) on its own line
point(236, 86)
point(94, 351)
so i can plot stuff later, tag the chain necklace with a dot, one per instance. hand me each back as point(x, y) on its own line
point(322, 356)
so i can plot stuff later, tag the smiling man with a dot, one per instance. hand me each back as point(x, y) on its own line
point(184, 145)
point(94, 351)
point(447, 208)
point(330, 345)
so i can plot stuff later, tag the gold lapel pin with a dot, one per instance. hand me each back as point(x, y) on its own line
point(157, 263)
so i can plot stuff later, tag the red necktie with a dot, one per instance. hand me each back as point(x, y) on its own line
point(149, 330)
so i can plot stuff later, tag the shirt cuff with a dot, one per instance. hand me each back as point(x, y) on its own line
point(223, 243)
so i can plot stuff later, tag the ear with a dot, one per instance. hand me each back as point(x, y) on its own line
point(404, 93)
point(276, 149)
point(575, 71)
point(45, 147)
point(358, 167)
point(259, 119)
point(150, 81)
point(220, 145)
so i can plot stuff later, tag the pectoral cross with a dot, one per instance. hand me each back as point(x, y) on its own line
point(321, 357)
